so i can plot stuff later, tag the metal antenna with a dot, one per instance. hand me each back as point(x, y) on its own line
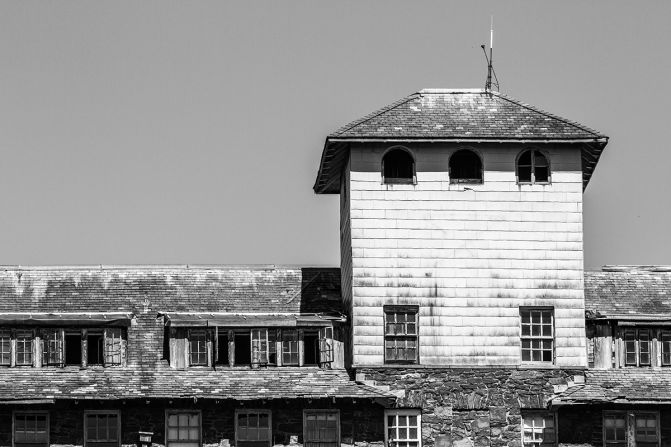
point(490, 61)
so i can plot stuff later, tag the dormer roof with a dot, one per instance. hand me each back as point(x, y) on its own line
point(457, 115)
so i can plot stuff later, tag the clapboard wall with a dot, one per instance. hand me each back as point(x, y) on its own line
point(468, 258)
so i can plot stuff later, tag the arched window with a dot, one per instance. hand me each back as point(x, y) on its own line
point(398, 166)
point(533, 167)
point(465, 167)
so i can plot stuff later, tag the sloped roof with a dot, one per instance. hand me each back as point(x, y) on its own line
point(467, 115)
point(284, 289)
point(619, 386)
point(164, 382)
point(629, 292)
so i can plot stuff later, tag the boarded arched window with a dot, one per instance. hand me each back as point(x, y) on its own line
point(533, 167)
point(398, 166)
point(465, 167)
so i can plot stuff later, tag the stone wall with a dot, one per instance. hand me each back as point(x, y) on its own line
point(361, 422)
point(470, 407)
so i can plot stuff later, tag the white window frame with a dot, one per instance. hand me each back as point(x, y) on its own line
point(106, 412)
point(312, 410)
point(544, 415)
point(23, 412)
point(253, 411)
point(540, 337)
point(181, 411)
point(403, 412)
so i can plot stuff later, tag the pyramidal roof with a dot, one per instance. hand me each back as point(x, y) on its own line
point(457, 115)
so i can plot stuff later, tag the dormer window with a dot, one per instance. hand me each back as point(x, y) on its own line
point(398, 167)
point(465, 167)
point(533, 167)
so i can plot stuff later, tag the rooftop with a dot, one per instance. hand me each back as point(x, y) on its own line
point(457, 115)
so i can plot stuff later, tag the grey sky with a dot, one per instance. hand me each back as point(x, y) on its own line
point(190, 132)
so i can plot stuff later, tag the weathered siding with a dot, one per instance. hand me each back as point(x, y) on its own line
point(468, 258)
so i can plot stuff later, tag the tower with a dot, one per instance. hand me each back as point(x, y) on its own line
point(461, 231)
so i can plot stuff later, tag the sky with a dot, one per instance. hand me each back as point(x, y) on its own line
point(164, 132)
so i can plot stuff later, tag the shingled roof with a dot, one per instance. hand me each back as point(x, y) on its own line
point(19, 384)
point(619, 386)
point(629, 293)
point(466, 115)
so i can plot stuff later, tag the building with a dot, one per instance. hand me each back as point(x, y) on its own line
point(460, 315)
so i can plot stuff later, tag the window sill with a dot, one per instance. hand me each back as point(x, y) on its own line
point(466, 181)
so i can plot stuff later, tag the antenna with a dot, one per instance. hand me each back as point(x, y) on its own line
point(490, 61)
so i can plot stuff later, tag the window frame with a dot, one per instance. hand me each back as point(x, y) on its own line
point(398, 309)
point(655, 414)
point(605, 414)
point(469, 181)
point(6, 332)
point(291, 352)
point(28, 412)
point(239, 411)
point(636, 331)
point(31, 349)
point(335, 411)
point(544, 415)
point(662, 334)
point(540, 338)
point(399, 181)
point(402, 412)
point(58, 343)
point(532, 167)
point(183, 411)
point(100, 412)
point(190, 352)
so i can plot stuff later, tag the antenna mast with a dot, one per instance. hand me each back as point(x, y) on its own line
point(490, 61)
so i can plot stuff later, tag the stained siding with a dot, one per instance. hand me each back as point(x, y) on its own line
point(468, 258)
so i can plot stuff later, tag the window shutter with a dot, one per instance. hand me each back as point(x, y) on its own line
point(326, 345)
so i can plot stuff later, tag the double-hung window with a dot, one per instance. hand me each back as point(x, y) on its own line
point(403, 428)
point(616, 426)
point(101, 428)
point(400, 334)
point(537, 329)
point(253, 428)
point(321, 428)
point(31, 429)
point(637, 343)
point(538, 429)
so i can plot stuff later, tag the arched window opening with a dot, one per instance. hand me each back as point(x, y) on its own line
point(533, 167)
point(398, 166)
point(465, 167)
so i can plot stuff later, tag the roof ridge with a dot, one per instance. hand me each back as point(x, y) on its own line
point(548, 114)
point(351, 125)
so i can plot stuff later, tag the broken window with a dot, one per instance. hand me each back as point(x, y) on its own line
point(465, 167)
point(31, 429)
point(310, 348)
point(101, 428)
point(614, 429)
point(637, 347)
point(52, 347)
point(538, 429)
point(400, 334)
point(5, 347)
point(398, 166)
point(290, 347)
point(321, 428)
point(326, 355)
point(94, 348)
point(403, 428)
point(532, 167)
point(221, 350)
point(537, 335)
point(252, 428)
point(113, 343)
point(73, 348)
point(24, 348)
point(243, 348)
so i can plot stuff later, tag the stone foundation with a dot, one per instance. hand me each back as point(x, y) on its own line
point(470, 407)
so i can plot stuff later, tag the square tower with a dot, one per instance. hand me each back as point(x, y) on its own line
point(461, 231)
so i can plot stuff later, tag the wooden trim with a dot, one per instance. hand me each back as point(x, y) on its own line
point(118, 414)
point(407, 412)
point(239, 411)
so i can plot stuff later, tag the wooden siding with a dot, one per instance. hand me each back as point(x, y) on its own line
point(468, 258)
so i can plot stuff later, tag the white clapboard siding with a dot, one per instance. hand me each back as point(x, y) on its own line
point(468, 258)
